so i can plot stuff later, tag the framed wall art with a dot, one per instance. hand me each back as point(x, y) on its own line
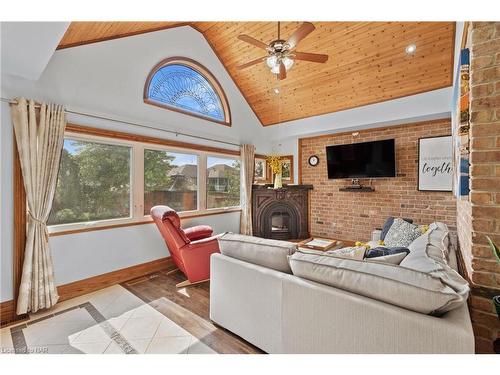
point(435, 164)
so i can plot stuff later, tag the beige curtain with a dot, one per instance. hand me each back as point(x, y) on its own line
point(39, 138)
point(248, 170)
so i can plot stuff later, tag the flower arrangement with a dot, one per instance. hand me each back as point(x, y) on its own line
point(276, 164)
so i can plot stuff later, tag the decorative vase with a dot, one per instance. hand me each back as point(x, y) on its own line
point(278, 182)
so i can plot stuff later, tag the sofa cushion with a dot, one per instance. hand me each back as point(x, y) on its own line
point(263, 252)
point(439, 242)
point(387, 225)
point(405, 287)
point(401, 234)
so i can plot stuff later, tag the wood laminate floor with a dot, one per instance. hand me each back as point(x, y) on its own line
point(189, 308)
point(146, 315)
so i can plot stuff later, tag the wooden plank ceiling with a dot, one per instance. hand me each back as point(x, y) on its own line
point(367, 63)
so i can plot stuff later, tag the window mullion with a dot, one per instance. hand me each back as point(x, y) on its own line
point(202, 182)
point(138, 181)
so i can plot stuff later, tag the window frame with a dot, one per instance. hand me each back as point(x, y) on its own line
point(205, 73)
point(137, 183)
point(222, 156)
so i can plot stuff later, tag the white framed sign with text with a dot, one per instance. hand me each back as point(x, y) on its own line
point(435, 164)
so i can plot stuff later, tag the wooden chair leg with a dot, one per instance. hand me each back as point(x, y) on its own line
point(188, 283)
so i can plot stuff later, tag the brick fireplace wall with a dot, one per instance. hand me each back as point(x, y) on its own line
point(480, 215)
point(353, 215)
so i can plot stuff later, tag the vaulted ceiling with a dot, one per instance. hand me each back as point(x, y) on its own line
point(367, 61)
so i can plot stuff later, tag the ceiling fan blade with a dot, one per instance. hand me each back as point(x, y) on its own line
point(313, 57)
point(304, 30)
point(250, 63)
point(282, 73)
point(253, 41)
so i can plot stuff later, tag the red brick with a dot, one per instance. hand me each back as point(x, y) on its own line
point(483, 116)
point(486, 102)
point(481, 197)
point(482, 143)
point(488, 184)
point(485, 89)
point(486, 48)
point(483, 170)
point(481, 303)
point(486, 265)
point(484, 156)
point(484, 346)
point(487, 319)
point(484, 278)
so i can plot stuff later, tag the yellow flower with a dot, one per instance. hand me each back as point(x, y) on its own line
point(424, 228)
point(381, 242)
point(275, 162)
point(359, 243)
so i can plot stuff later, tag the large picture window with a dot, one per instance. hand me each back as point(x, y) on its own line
point(184, 85)
point(110, 181)
point(93, 183)
point(170, 179)
point(223, 182)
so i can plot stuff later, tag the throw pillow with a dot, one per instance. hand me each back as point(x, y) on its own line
point(401, 234)
point(392, 259)
point(355, 252)
point(383, 251)
point(387, 225)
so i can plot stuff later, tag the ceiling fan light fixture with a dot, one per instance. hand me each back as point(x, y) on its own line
point(275, 69)
point(288, 62)
point(272, 61)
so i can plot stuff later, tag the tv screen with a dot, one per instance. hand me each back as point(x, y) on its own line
point(362, 160)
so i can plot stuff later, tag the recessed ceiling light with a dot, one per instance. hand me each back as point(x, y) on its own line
point(276, 91)
point(411, 48)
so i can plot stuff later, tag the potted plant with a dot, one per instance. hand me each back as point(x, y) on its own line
point(496, 253)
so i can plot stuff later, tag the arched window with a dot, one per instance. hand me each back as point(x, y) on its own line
point(183, 85)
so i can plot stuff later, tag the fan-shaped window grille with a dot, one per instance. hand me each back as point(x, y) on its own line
point(185, 86)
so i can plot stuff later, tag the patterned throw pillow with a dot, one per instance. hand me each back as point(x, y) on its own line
point(401, 234)
point(354, 252)
point(388, 224)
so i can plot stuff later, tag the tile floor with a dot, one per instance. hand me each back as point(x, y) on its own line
point(111, 320)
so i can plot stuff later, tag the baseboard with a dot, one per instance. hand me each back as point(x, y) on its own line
point(8, 313)
point(92, 284)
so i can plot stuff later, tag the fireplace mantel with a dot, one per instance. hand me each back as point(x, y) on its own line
point(281, 213)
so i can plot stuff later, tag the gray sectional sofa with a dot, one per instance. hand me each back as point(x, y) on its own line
point(285, 300)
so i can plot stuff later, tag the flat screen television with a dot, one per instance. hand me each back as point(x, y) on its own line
point(362, 160)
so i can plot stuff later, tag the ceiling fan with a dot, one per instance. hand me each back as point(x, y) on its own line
point(281, 54)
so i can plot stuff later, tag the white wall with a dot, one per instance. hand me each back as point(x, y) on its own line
point(108, 78)
point(83, 255)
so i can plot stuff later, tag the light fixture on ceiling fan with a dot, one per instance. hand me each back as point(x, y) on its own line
point(281, 54)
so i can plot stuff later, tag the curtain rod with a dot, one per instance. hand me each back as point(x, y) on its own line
point(12, 101)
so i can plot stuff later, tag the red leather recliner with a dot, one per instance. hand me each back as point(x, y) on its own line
point(190, 249)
